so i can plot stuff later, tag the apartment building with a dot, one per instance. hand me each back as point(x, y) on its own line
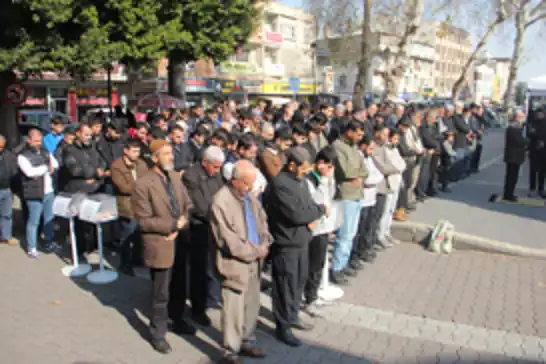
point(453, 47)
point(281, 46)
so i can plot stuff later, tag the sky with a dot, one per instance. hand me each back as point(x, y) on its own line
point(533, 62)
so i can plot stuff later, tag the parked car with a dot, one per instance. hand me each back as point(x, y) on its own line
point(40, 119)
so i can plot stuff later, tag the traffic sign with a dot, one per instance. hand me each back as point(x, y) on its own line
point(16, 93)
point(294, 84)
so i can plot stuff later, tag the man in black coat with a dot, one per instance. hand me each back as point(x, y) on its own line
point(292, 213)
point(536, 132)
point(461, 124)
point(202, 181)
point(183, 154)
point(514, 155)
point(430, 137)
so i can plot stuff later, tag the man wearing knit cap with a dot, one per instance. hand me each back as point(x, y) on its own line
point(292, 213)
point(161, 207)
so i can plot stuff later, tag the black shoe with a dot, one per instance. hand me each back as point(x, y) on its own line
point(350, 272)
point(201, 319)
point(127, 269)
point(287, 337)
point(302, 326)
point(446, 189)
point(182, 327)
point(368, 257)
point(432, 193)
point(356, 264)
point(338, 278)
point(161, 346)
point(542, 195)
point(510, 198)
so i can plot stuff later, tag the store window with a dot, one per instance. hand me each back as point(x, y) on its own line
point(342, 81)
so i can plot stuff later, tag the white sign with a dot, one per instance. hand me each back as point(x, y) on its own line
point(89, 210)
point(61, 207)
point(274, 69)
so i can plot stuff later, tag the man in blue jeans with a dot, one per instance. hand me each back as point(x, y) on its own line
point(37, 166)
point(8, 169)
point(350, 174)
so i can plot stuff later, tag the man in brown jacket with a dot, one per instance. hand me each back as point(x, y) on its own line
point(239, 225)
point(125, 172)
point(272, 159)
point(161, 207)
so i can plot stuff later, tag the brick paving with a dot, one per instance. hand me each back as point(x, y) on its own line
point(48, 318)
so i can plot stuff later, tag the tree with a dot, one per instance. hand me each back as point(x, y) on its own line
point(527, 14)
point(76, 38)
point(204, 29)
point(500, 12)
point(365, 56)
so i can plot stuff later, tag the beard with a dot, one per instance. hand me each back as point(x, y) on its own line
point(166, 167)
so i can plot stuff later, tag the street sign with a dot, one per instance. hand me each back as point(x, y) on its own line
point(15, 94)
point(294, 84)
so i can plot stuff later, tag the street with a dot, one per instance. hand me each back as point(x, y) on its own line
point(469, 209)
point(409, 306)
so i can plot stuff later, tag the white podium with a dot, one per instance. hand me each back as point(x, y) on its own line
point(99, 209)
point(68, 207)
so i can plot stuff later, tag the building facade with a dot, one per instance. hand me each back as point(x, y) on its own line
point(453, 47)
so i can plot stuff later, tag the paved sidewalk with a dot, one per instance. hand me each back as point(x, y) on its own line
point(409, 307)
point(468, 208)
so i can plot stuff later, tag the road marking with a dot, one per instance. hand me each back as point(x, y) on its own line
point(491, 162)
point(447, 333)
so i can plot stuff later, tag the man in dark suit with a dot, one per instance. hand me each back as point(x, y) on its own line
point(461, 124)
point(431, 141)
point(536, 132)
point(514, 155)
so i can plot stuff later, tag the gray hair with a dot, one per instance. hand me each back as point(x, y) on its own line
point(459, 105)
point(450, 107)
point(268, 126)
point(214, 154)
point(340, 107)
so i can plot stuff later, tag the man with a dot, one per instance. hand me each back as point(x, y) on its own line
point(202, 181)
point(69, 136)
point(183, 158)
point(461, 123)
point(239, 226)
point(141, 134)
point(431, 160)
point(161, 209)
point(8, 170)
point(96, 126)
point(536, 133)
point(272, 159)
point(285, 118)
point(110, 144)
point(125, 172)
point(37, 166)
point(316, 140)
point(514, 155)
point(53, 138)
point(409, 153)
point(476, 124)
point(266, 136)
point(292, 213)
point(83, 172)
point(197, 141)
point(350, 174)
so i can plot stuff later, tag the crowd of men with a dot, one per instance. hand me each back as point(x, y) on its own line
point(223, 194)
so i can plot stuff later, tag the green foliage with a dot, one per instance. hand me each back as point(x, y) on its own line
point(79, 36)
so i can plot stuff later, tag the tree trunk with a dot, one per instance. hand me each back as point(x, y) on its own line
point(365, 57)
point(458, 85)
point(8, 112)
point(397, 68)
point(176, 76)
point(510, 92)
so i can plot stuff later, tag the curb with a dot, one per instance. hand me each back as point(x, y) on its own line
point(418, 233)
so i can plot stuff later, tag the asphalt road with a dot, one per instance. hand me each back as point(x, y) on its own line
point(468, 205)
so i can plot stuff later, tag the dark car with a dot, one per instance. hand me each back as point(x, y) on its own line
point(40, 119)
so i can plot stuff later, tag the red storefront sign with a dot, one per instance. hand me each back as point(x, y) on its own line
point(273, 37)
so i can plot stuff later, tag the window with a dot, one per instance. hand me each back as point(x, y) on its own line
point(270, 56)
point(241, 56)
point(288, 31)
point(342, 81)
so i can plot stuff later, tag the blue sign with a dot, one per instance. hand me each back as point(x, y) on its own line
point(294, 84)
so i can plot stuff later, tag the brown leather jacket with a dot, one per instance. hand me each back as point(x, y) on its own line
point(123, 180)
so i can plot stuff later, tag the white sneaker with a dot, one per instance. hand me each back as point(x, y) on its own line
point(33, 253)
point(330, 293)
